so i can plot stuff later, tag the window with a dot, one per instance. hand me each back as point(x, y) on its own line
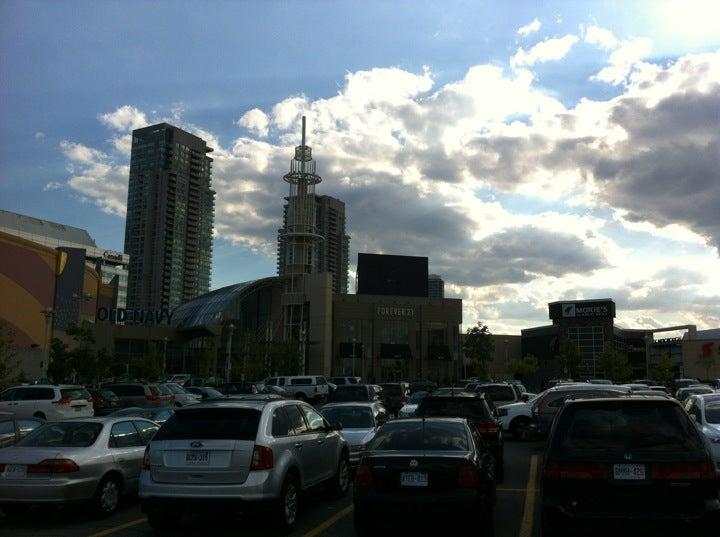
point(403, 435)
point(280, 423)
point(63, 434)
point(147, 430)
point(35, 394)
point(350, 417)
point(8, 395)
point(301, 382)
point(271, 382)
point(27, 426)
point(315, 421)
point(74, 393)
point(297, 422)
point(124, 434)
point(211, 424)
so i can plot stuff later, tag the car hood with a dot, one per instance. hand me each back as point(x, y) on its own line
point(355, 437)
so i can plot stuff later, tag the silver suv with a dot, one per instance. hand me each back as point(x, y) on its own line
point(240, 453)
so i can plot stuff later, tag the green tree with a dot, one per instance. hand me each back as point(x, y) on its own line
point(664, 370)
point(60, 367)
point(478, 346)
point(569, 358)
point(150, 368)
point(8, 355)
point(523, 367)
point(616, 365)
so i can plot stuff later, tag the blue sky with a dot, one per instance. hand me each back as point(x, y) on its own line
point(416, 99)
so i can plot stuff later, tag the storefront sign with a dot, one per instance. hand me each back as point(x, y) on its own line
point(121, 315)
point(395, 311)
point(109, 255)
point(580, 310)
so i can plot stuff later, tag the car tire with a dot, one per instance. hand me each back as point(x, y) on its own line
point(341, 480)
point(520, 429)
point(287, 507)
point(107, 496)
point(40, 415)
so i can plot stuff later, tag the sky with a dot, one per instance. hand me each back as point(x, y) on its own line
point(533, 151)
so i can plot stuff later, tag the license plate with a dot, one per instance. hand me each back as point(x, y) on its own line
point(413, 479)
point(197, 457)
point(629, 471)
point(15, 471)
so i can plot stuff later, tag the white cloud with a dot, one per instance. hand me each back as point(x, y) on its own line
point(551, 49)
point(529, 28)
point(125, 118)
point(624, 59)
point(600, 37)
point(39, 135)
point(256, 121)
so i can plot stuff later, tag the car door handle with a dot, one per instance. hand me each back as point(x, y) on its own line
point(298, 445)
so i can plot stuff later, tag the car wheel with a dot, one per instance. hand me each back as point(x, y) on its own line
point(107, 496)
point(520, 429)
point(341, 480)
point(40, 415)
point(288, 505)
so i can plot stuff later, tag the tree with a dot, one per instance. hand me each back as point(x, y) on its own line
point(478, 346)
point(616, 365)
point(8, 353)
point(569, 358)
point(207, 358)
point(664, 370)
point(523, 367)
point(60, 367)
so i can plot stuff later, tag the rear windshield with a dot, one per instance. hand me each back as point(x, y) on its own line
point(211, 424)
point(462, 407)
point(619, 426)
point(350, 417)
point(391, 389)
point(74, 393)
point(497, 393)
point(421, 435)
point(350, 393)
point(712, 413)
point(448, 391)
point(63, 434)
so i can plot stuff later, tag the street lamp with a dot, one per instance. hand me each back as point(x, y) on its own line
point(165, 342)
point(48, 313)
point(228, 362)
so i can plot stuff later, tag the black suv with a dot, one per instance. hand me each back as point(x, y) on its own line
point(626, 461)
point(478, 413)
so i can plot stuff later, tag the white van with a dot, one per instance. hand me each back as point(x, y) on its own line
point(305, 387)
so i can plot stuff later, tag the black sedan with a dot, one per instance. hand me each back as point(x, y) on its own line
point(417, 466)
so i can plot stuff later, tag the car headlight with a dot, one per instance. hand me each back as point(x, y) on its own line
point(502, 412)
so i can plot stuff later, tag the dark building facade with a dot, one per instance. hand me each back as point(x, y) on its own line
point(392, 275)
point(332, 253)
point(436, 286)
point(170, 212)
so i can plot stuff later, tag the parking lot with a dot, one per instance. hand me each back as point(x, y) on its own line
point(516, 513)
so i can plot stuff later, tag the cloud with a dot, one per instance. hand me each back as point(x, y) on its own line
point(624, 59)
point(256, 121)
point(600, 37)
point(39, 135)
point(551, 49)
point(529, 28)
point(125, 118)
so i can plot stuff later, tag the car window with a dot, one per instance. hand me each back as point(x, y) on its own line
point(74, 393)
point(154, 390)
point(315, 421)
point(127, 390)
point(27, 426)
point(281, 381)
point(271, 382)
point(36, 394)
point(8, 395)
point(211, 424)
point(163, 415)
point(124, 434)
point(7, 427)
point(498, 394)
point(350, 417)
point(63, 434)
point(297, 422)
point(417, 435)
point(352, 380)
point(462, 407)
point(321, 381)
point(301, 382)
point(712, 413)
point(147, 430)
point(281, 423)
point(350, 393)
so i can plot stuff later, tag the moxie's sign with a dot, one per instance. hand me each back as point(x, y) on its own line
point(395, 311)
point(580, 310)
point(121, 315)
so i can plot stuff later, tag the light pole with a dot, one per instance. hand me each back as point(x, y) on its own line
point(228, 362)
point(48, 313)
point(165, 342)
point(353, 356)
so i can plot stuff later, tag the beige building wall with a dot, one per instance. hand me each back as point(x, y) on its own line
point(697, 354)
point(318, 289)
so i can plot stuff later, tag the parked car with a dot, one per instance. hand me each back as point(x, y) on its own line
point(683, 393)
point(445, 392)
point(676, 384)
point(355, 392)
point(635, 387)
point(90, 459)
point(47, 402)
point(653, 393)
point(206, 392)
point(340, 381)
point(241, 454)
point(624, 461)
point(104, 401)
point(546, 407)
point(239, 388)
point(310, 388)
point(422, 386)
point(13, 429)
point(357, 422)
point(704, 410)
point(410, 407)
point(179, 378)
point(661, 389)
point(159, 415)
point(600, 381)
point(395, 395)
point(139, 394)
point(646, 382)
point(480, 415)
point(275, 390)
point(182, 396)
point(501, 394)
point(435, 465)
point(516, 418)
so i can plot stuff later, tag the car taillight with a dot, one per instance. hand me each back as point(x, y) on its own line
point(146, 459)
point(575, 470)
point(363, 476)
point(53, 466)
point(253, 389)
point(488, 428)
point(467, 477)
point(63, 401)
point(152, 397)
point(262, 458)
point(689, 471)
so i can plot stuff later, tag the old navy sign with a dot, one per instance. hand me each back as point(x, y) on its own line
point(121, 315)
point(579, 310)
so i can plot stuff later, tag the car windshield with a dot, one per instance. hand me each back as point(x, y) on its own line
point(417, 397)
point(421, 435)
point(211, 423)
point(63, 434)
point(498, 394)
point(712, 413)
point(211, 392)
point(350, 393)
point(441, 392)
point(618, 426)
point(74, 393)
point(350, 417)
point(391, 389)
point(463, 407)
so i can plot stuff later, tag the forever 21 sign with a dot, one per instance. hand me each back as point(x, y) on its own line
point(395, 311)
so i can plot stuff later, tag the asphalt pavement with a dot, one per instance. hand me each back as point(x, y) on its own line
point(516, 512)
